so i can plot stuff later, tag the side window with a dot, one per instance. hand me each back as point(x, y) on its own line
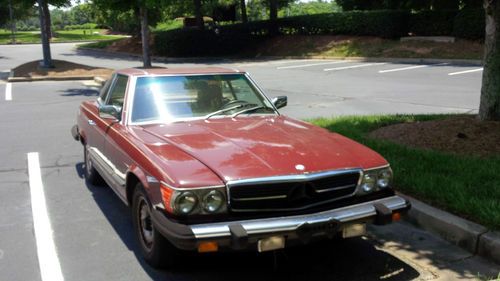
point(103, 93)
point(117, 93)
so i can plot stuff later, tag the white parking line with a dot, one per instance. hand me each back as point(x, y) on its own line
point(354, 66)
point(50, 268)
point(311, 64)
point(403, 68)
point(466, 71)
point(8, 91)
point(270, 62)
point(411, 67)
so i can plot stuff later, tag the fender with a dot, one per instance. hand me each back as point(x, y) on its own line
point(150, 183)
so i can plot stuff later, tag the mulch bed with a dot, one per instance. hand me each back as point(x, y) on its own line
point(61, 69)
point(459, 134)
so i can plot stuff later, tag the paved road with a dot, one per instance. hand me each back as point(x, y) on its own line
point(318, 87)
point(92, 228)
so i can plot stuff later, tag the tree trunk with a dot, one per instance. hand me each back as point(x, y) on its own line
point(243, 6)
point(273, 10)
point(12, 23)
point(47, 59)
point(198, 15)
point(489, 108)
point(48, 21)
point(273, 16)
point(146, 58)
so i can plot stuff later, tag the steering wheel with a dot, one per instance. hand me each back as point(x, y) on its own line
point(232, 103)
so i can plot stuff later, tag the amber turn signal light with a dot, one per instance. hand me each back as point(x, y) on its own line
point(396, 216)
point(206, 247)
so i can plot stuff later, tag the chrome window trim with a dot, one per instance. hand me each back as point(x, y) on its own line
point(131, 94)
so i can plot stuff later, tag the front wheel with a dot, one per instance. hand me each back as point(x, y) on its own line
point(157, 251)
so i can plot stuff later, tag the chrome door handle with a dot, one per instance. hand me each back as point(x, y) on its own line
point(91, 122)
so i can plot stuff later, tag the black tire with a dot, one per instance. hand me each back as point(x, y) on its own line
point(91, 174)
point(156, 249)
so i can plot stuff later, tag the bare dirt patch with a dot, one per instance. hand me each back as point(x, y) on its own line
point(366, 46)
point(460, 135)
point(61, 69)
point(128, 45)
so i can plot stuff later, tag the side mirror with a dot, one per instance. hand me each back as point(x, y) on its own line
point(280, 101)
point(110, 112)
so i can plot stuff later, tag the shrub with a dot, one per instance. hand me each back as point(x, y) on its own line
point(382, 23)
point(470, 24)
point(432, 23)
point(81, 26)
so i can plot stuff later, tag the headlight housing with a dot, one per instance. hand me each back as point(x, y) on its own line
point(375, 180)
point(185, 203)
point(213, 201)
point(194, 201)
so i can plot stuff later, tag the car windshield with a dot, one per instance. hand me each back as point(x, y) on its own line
point(170, 98)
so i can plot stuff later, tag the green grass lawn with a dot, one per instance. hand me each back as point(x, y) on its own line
point(99, 44)
point(61, 36)
point(465, 185)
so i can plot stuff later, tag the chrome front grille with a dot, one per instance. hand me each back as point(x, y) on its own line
point(297, 192)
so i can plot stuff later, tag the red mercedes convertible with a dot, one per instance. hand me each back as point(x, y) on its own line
point(207, 163)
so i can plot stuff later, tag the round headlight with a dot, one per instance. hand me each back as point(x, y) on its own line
point(384, 178)
point(186, 202)
point(213, 201)
point(368, 183)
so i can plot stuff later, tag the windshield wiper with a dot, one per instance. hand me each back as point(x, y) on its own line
point(249, 110)
point(224, 110)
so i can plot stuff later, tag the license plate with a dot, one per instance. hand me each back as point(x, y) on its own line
point(354, 230)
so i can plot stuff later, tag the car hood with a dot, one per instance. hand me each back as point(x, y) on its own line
point(263, 146)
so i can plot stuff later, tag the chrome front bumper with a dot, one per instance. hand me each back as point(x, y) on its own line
point(364, 211)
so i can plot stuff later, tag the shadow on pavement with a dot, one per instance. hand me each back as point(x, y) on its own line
point(80, 92)
point(350, 259)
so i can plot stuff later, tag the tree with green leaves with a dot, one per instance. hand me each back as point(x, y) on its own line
point(489, 108)
point(147, 11)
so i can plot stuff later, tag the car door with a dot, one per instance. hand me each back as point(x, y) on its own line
point(115, 142)
point(93, 126)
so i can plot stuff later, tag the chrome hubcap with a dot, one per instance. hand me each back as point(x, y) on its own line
point(145, 224)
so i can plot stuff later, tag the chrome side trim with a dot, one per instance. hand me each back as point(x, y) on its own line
point(282, 224)
point(99, 156)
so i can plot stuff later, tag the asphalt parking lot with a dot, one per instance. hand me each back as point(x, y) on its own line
point(319, 88)
point(92, 229)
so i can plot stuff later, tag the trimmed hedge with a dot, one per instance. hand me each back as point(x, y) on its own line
point(192, 42)
point(231, 39)
point(470, 24)
point(432, 23)
point(383, 23)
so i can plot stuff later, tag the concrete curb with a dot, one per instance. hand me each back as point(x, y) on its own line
point(99, 80)
point(470, 236)
point(361, 59)
point(60, 78)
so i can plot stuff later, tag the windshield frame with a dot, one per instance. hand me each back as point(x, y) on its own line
point(133, 83)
